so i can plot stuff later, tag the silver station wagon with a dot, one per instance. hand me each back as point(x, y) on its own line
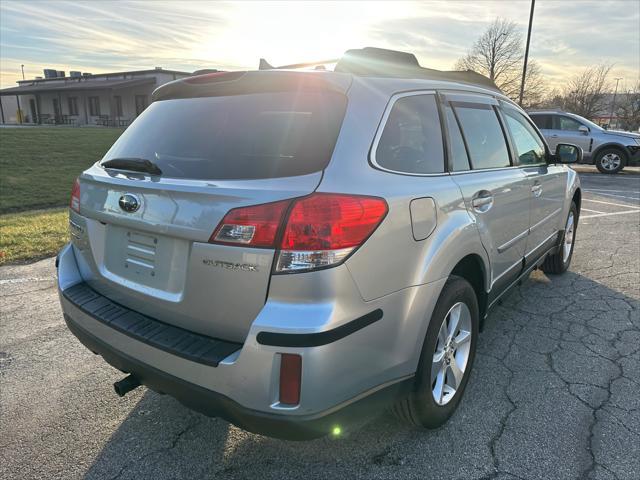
point(292, 250)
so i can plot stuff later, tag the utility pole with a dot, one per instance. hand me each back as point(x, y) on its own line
point(526, 52)
point(613, 104)
point(22, 68)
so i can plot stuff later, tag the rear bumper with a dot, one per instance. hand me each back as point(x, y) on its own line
point(215, 404)
point(349, 369)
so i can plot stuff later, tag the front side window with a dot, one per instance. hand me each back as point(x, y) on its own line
point(567, 123)
point(411, 141)
point(543, 122)
point(484, 136)
point(529, 147)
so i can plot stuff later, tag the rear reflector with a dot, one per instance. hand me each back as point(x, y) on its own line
point(290, 378)
point(74, 204)
point(254, 226)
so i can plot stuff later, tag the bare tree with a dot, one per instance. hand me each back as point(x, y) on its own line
point(628, 111)
point(499, 54)
point(585, 93)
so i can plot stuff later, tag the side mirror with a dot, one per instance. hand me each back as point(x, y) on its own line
point(583, 130)
point(566, 153)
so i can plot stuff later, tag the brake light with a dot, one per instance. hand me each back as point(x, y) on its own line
point(324, 228)
point(290, 378)
point(254, 226)
point(321, 230)
point(74, 204)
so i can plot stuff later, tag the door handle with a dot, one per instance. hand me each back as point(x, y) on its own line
point(554, 136)
point(536, 190)
point(482, 201)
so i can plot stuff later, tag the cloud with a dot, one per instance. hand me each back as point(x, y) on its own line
point(188, 35)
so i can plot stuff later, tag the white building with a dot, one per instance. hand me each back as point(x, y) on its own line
point(106, 99)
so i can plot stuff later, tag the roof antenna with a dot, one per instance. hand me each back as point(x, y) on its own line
point(264, 65)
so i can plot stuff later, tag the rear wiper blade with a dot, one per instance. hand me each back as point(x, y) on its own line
point(132, 164)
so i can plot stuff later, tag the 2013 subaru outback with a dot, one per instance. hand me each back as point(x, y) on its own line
point(290, 250)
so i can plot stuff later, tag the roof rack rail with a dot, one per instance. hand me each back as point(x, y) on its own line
point(380, 62)
point(264, 65)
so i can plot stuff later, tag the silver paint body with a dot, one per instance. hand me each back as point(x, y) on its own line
point(401, 269)
point(592, 140)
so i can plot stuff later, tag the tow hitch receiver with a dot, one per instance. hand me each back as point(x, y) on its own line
point(125, 385)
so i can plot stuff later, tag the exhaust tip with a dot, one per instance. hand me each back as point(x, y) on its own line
point(124, 386)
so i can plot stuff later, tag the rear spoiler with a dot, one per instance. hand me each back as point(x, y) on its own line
point(241, 83)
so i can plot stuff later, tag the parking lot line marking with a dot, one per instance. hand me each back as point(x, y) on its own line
point(617, 196)
point(609, 203)
point(589, 210)
point(10, 281)
point(609, 214)
point(607, 190)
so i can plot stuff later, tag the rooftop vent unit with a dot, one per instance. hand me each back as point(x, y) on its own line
point(75, 74)
point(50, 73)
point(61, 73)
point(86, 74)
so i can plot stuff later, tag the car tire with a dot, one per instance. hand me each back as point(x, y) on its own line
point(559, 262)
point(434, 398)
point(610, 160)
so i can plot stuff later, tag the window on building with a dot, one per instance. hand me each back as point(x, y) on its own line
point(411, 141)
point(94, 106)
point(73, 106)
point(484, 136)
point(141, 103)
point(529, 145)
point(459, 158)
point(118, 101)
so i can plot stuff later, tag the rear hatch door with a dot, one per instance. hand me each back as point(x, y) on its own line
point(149, 235)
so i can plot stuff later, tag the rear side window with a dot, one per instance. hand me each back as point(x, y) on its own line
point(236, 137)
point(543, 122)
point(484, 136)
point(411, 141)
point(529, 146)
point(459, 158)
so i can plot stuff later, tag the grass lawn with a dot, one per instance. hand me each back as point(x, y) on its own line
point(38, 165)
point(29, 236)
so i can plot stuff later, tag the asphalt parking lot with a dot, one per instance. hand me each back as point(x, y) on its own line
point(555, 391)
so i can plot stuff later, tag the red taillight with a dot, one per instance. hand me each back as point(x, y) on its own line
point(254, 226)
point(327, 221)
point(320, 231)
point(290, 378)
point(323, 229)
point(74, 204)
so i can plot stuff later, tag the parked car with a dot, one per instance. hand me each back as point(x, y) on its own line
point(609, 150)
point(293, 250)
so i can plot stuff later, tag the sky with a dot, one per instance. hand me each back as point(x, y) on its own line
point(108, 36)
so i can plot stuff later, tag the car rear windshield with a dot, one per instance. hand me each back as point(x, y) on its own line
point(265, 135)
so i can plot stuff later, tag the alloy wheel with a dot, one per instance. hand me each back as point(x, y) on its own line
point(568, 237)
point(611, 161)
point(451, 354)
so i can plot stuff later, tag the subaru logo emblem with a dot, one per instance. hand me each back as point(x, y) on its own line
point(129, 203)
